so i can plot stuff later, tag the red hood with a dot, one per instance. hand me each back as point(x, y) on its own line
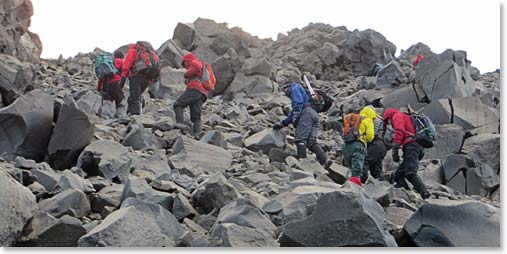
point(389, 113)
point(188, 57)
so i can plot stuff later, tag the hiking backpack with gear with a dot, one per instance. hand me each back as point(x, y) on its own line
point(208, 79)
point(426, 133)
point(321, 102)
point(351, 124)
point(147, 62)
point(104, 66)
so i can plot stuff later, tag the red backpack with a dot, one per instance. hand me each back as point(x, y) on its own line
point(147, 62)
point(208, 79)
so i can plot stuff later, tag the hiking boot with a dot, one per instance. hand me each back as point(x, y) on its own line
point(196, 130)
point(356, 181)
point(321, 155)
point(301, 151)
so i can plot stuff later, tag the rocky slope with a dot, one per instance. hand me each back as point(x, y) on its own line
point(69, 178)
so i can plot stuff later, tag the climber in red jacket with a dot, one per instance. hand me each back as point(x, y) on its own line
point(419, 58)
point(195, 94)
point(413, 152)
point(111, 90)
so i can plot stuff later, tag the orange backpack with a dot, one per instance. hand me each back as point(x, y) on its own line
point(351, 124)
point(208, 79)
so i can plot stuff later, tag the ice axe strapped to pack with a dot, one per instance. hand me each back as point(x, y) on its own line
point(319, 100)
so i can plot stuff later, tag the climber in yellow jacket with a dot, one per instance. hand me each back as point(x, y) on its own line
point(358, 131)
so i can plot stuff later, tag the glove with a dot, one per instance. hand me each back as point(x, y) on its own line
point(356, 180)
point(278, 126)
point(122, 82)
point(396, 155)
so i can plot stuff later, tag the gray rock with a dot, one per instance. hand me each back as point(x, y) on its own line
point(90, 102)
point(277, 155)
point(23, 163)
point(469, 176)
point(198, 157)
point(449, 141)
point(411, 53)
point(395, 219)
point(107, 158)
point(455, 224)
point(253, 86)
point(233, 235)
point(109, 196)
point(71, 202)
point(265, 140)
point(182, 208)
point(184, 34)
point(140, 189)
point(72, 133)
point(140, 138)
point(214, 192)
point(47, 231)
point(272, 207)
point(25, 126)
point(446, 75)
point(341, 218)
point(485, 148)
point(138, 225)
point(46, 176)
point(225, 68)
point(364, 82)
point(380, 191)
point(391, 75)
point(215, 138)
point(15, 78)
point(17, 207)
point(338, 173)
point(258, 66)
point(170, 54)
point(171, 84)
point(69, 180)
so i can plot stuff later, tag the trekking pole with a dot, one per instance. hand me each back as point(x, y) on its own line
point(312, 93)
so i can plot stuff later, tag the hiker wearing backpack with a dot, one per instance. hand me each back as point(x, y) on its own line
point(142, 67)
point(199, 79)
point(109, 83)
point(413, 152)
point(417, 60)
point(306, 121)
point(375, 152)
point(358, 130)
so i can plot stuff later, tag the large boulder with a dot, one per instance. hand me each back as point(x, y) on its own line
point(140, 138)
point(450, 223)
point(225, 68)
point(71, 202)
point(449, 141)
point(72, 133)
point(391, 75)
point(170, 54)
point(138, 188)
point(15, 78)
point(47, 231)
point(469, 176)
point(136, 224)
point(70, 180)
point(468, 112)
point(107, 158)
point(215, 192)
point(341, 218)
point(46, 176)
point(195, 157)
point(17, 207)
point(446, 75)
point(411, 53)
point(234, 235)
point(171, 84)
point(485, 148)
point(25, 126)
point(107, 196)
point(265, 140)
point(253, 86)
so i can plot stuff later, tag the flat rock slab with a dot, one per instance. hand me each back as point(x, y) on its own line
point(107, 158)
point(71, 202)
point(265, 140)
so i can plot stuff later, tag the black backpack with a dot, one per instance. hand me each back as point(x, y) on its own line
point(321, 102)
point(426, 133)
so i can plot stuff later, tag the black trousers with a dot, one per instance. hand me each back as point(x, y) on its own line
point(113, 92)
point(375, 154)
point(412, 153)
point(137, 87)
point(194, 99)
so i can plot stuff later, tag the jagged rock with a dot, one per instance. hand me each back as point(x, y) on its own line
point(364, 82)
point(38, 190)
point(253, 86)
point(69, 180)
point(449, 141)
point(71, 202)
point(47, 231)
point(214, 192)
point(272, 207)
point(214, 137)
point(411, 53)
point(338, 173)
point(485, 148)
point(380, 191)
point(140, 138)
point(90, 102)
point(107, 196)
point(401, 98)
point(225, 68)
point(15, 78)
point(310, 166)
point(446, 75)
point(468, 112)
point(140, 189)
point(139, 224)
point(277, 155)
point(72, 133)
point(107, 158)
point(150, 167)
point(233, 235)
point(184, 34)
point(265, 140)
point(170, 54)
point(469, 176)
point(258, 66)
point(171, 85)
point(341, 218)
point(432, 172)
point(455, 224)
point(25, 126)
point(17, 207)
point(46, 176)
point(198, 157)
point(182, 208)
point(391, 75)
point(395, 219)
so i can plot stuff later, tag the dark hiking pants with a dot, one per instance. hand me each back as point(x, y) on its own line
point(375, 154)
point(194, 99)
point(137, 87)
point(412, 153)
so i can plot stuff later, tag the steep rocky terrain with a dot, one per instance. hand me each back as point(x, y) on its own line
point(69, 178)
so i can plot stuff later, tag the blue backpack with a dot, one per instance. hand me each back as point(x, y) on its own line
point(104, 66)
point(426, 134)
